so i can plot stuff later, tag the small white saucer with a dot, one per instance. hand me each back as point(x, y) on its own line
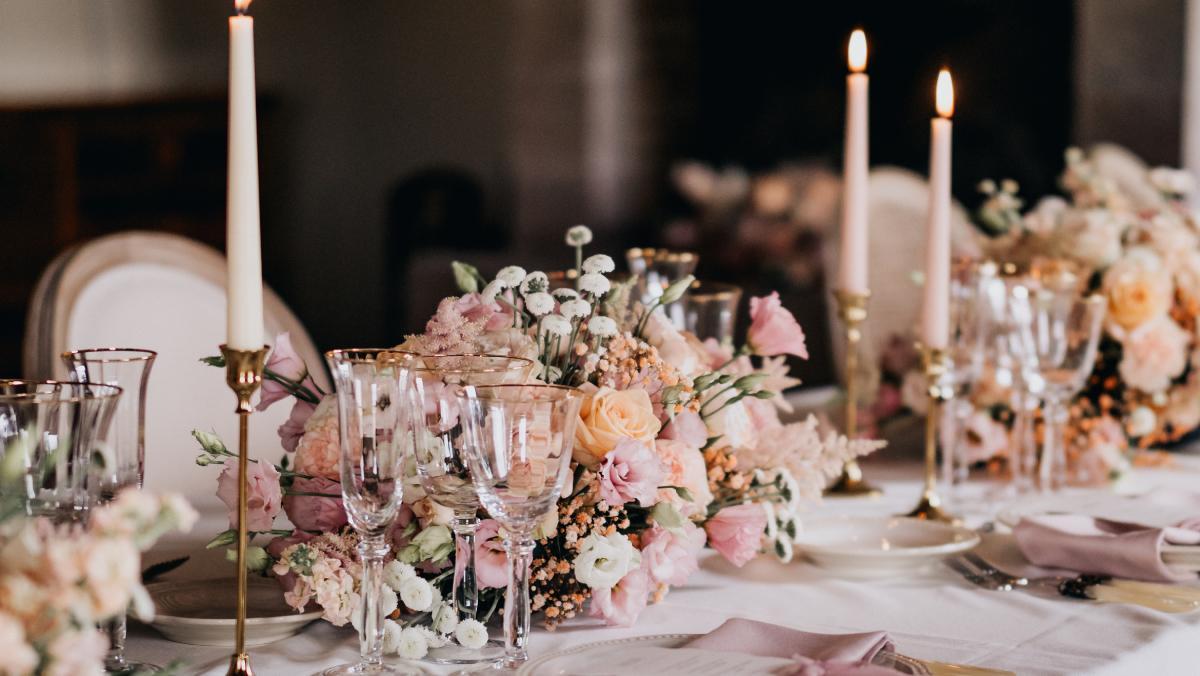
point(202, 612)
point(863, 547)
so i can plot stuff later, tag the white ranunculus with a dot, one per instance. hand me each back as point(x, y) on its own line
point(575, 308)
point(600, 263)
point(471, 634)
point(604, 559)
point(417, 594)
point(733, 425)
point(511, 276)
point(594, 283)
point(602, 327)
point(539, 304)
point(556, 325)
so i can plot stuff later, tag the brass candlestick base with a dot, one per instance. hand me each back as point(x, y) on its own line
point(937, 370)
point(852, 309)
point(243, 374)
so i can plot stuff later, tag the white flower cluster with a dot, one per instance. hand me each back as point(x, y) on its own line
point(403, 585)
point(781, 512)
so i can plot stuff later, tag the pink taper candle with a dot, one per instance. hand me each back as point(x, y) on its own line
point(243, 249)
point(852, 268)
point(935, 320)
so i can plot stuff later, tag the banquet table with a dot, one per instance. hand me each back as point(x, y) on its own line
point(934, 615)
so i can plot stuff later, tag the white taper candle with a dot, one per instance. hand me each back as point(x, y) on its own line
point(852, 268)
point(935, 318)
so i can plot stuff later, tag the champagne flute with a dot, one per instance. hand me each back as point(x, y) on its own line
point(518, 445)
point(372, 421)
point(437, 450)
point(128, 368)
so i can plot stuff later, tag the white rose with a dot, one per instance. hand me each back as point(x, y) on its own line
point(734, 427)
point(604, 559)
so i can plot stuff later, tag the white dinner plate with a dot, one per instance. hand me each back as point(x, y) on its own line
point(202, 612)
point(861, 546)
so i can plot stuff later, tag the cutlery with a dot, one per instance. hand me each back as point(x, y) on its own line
point(933, 668)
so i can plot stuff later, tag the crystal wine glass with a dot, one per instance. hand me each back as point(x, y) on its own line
point(372, 421)
point(437, 449)
point(128, 368)
point(519, 441)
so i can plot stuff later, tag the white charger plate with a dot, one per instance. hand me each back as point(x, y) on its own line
point(202, 612)
point(863, 547)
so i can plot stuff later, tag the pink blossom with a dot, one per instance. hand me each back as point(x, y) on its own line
point(762, 413)
point(263, 495)
point(983, 438)
point(291, 430)
point(773, 329)
point(491, 562)
point(275, 547)
point(670, 557)
point(620, 605)
point(632, 471)
point(318, 452)
point(285, 362)
point(887, 402)
point(494, 316)
point(688, 427)
point(736, 532)
point(717, 355)
point(312, 513)
point(685, 469)
point(1153, 354)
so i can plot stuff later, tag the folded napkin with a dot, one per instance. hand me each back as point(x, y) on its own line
point(1090, 545)
point(815, 654)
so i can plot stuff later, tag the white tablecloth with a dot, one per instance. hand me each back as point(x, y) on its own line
point(934, 616)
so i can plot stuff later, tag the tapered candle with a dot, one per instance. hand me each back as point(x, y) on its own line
point(243, 249)
point(935, 319)
point(852, 269)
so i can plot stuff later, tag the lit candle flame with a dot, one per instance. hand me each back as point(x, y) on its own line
point(241, 6)
point(945, 94)
point(858, 51)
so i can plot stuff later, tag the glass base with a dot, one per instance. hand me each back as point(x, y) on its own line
point(129, 668)
point(490, 653)
point(361, 669)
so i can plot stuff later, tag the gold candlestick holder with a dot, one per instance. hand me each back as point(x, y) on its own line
point(243, 374)
point(940, 391)
point(852, 309)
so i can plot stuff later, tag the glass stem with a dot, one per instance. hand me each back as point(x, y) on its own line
point(115, 628)
point(1051, 473)
point(516, 602)
point(371, 551)
point(466, 588)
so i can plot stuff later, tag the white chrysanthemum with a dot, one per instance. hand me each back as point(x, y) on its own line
point(391, 636)
point(471, 634)
point(396, 572)
point(411, 644)
point(784, 549)
point(576, 308)
point(556, 325)
point(579, 235)
point(492, 290)
point(535, 282)
point(445, 618)
point(511, 276)
point(564, 294)
point(388, 602)
point(604, 559)
point(539, 304)
point(417, 594)
point(433, 639)
point(595, 284)
point(599, 263)
point(772, 525)
point(602, 327)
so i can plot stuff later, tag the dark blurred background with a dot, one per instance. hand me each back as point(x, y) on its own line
point(399, 135)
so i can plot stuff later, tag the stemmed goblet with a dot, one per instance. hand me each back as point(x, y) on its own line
point(437, 450)
point(125, 448)
point(372, 423)
point(518, 445)
point(966, 361)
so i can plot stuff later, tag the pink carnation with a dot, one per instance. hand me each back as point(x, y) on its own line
point(312, 513)
point(285, 362)
point(773, 329)
point(670, 557)
point(263, 495)
point(491, 561)
point(318, 453)
point(632, 471)
point(736, 532)
point(688, 427)
point(620, 605)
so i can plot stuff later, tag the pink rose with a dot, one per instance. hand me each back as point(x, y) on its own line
point(736, 532)
point(620, 605)
point(291, 430)
point(491, 561)
point(688, 427)
point(263, 495)
point(773, 329)
point(285, 362)
point(670, 557)
point(313, 513)
point(1153, 354)
point(632, 471)
point(494, 316)
point(318, 451)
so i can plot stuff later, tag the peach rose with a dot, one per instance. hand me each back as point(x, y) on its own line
point(607, 417)
point(686, 469)
point(1154, 354)
point(318, 452)
point(1138, 287)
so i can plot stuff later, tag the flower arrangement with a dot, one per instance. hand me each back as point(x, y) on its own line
point(58, 582)
point(679, 445)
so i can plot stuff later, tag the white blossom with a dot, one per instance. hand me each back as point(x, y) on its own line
point(388, 602)
point(772, 530)
point(599, 263)
point(539, 304)
point(557, 325)
point(471, 634)
point(411, 644)
point(391, 636)
point(492, 290)
point(445, 618)
point(602, 327)
point(579, 235)
point(1142, 421)
point(417, 594)
point(594, 283)
point(783, 549)
point(564, 294)
point(576, 308)
point(396, 572)
point(535, 282)
point(1171, 181)
point(511, 276)
point(604, 559)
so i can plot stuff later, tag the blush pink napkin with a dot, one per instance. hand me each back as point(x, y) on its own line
point(815, 654)
point(1090, 545)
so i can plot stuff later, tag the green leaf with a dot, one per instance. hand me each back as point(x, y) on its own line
point(466, 276)
point(665, 515)
point(222, 539)
point(217, 361)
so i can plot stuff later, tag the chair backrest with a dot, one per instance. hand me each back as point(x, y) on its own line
point(166, 293)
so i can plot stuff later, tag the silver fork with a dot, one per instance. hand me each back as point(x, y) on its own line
point(978, 579)
point(994, 572)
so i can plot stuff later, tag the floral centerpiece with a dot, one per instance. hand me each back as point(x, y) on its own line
point(679, 445)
